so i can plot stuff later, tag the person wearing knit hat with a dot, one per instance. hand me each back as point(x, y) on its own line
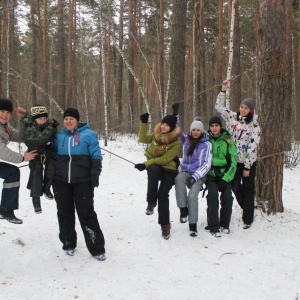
point(39, 134)
point(161, 165)
point(38, 111)
point(215, 120)
point(6, 105)
point(72, 112)
point(223, 168)
point(197, 124)
point(245, 131)
point(250, 103)
point(9, 172)
point(78, 167)
point(195, 164)
point(170, 120)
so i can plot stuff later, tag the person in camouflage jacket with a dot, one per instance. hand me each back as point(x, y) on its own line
point(39, 133)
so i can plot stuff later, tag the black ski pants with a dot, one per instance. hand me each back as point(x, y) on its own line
point(160, 183)
point(212, 198)
point(244, 190)
point(11, 186)
point(80, 197)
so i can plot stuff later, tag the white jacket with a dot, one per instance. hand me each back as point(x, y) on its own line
point(245, 136)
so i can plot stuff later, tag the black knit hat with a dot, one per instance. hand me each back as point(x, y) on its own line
point(38, 111)
point(6, 104)
point(215, 120)
point(72, 112)
point(170, 120)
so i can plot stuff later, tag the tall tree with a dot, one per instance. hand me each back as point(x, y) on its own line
point(34, 49)
point(289, 76)
point(235, 93)
point(271, 98)
point(177, 55)
point(61, 56)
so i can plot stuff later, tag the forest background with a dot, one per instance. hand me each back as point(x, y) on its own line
point(115, 60)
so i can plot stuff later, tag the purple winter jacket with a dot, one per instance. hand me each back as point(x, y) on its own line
point(199, 163)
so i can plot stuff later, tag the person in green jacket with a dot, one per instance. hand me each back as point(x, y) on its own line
point(162, 166)
point(223, 168)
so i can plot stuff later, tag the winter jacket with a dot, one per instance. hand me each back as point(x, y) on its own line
point(78, 155)
point(199, 163)
point(37, 137)
point(163, 147)
point(246, 136)
point(11, 134)
point(224, 156)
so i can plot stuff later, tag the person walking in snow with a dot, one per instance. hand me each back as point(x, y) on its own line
point(223, 168)
point(78, 167)
point(39, 134)
point(195, 163)
point(244, 128)
point(9, 172)
point(162, 166)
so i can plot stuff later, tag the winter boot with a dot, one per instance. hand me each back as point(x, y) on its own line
point(70, 251)
point(150, 208)
point(36, 201)
point(215, 233)
point(183, 214)
point(9, 216)
point(246, 226)
point(193, 230)
point(47, 192)
point(165, 229)
point(100, 257)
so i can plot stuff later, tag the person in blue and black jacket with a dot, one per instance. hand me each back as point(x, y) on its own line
point(78, 167)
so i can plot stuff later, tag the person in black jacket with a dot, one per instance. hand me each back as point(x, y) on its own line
point(78, 167)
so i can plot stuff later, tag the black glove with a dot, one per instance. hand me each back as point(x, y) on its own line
point(190, 182)
point(96, 169)
point(175, 107)
point(54, 123)
point(144, 118)
point(222, 185)
point(94, 181)
point(140, 167)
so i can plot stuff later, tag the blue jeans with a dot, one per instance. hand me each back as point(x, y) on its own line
point(11, 186)
point(188, 199)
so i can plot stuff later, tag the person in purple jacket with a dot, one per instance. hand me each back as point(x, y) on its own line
point(195, 164)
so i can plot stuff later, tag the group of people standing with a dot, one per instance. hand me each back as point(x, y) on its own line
point(70, 160)
point(223, 159)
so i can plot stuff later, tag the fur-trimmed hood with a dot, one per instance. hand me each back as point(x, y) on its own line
point(166, 138)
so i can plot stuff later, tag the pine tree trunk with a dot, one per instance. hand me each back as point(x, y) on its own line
point(177, 55)
point(271, 97)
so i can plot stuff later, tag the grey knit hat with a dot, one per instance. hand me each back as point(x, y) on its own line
point(250, 103)
point(197, 124)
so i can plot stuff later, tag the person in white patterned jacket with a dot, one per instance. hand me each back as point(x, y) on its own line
point(245, 131)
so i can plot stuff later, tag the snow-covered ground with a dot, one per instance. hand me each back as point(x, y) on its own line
point(262, 262)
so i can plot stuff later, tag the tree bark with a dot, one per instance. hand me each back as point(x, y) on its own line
point(177, 55)
point(271, 98)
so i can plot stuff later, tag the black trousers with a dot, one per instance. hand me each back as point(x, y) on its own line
point(212, 198)
point(160, 183)
point(11, 186)
point(35, 181)
point(244, 190)
point(79, 197)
